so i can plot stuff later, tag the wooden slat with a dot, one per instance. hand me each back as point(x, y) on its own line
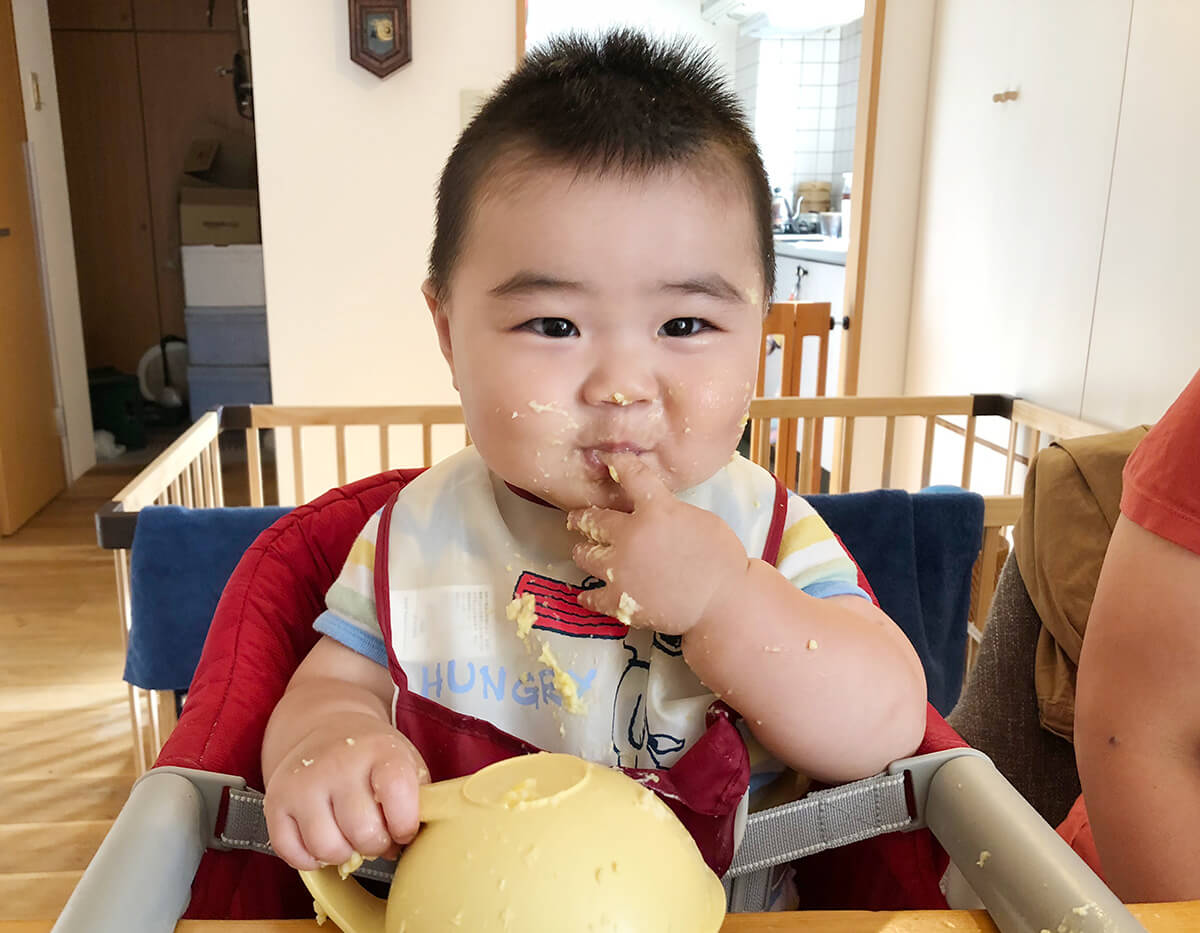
point(339, 440)
point(821, 314)
point(195, 471)
point(808, 482)
point(861, 406)
point(760, 450)
point(1051, 422)
point(889, 445)
point(927, 456)
point(1001, 511)
point(385, 452)
point(254, 466)
point(1035, 443)
point(287, 416)
point(121, 566)
point(156, 735)
point(297, 467)
point(148, 485)
point(980, 441)
point(968, 452)
point(1009, 457)
point(847, 454)
point(186, 488)
point(167, 715)
point(206, 484)
point(427, 444)
point(988, 569)
point(218, 478)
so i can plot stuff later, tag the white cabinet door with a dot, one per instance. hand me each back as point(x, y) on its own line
point(1013, 196)
point(1146, 339)
point(825, 282)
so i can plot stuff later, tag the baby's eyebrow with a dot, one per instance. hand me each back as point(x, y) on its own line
point(714, 286)
point(525, 282)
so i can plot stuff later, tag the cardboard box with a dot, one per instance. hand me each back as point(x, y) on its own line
point(218, 193)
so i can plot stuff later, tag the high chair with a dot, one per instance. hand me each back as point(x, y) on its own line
point(165, 854)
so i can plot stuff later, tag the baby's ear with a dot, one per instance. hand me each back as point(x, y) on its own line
point(441, 322)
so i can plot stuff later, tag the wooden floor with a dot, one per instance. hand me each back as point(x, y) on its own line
point(66, 757)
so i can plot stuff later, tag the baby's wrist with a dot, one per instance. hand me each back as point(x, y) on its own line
point(721, 609)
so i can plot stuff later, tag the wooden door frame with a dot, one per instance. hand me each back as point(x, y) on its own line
point(865, 123)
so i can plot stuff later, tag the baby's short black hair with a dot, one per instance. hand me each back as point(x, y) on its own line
point(621, 101)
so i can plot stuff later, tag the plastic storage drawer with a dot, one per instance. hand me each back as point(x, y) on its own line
point(227, 336)
point(211, 386)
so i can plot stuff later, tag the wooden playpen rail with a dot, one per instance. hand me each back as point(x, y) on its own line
point(189, 474)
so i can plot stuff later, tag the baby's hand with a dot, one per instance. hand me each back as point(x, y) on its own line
point(662, 562)
point(349, 786)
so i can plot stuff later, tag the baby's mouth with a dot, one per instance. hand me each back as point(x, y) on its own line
point(594, 456)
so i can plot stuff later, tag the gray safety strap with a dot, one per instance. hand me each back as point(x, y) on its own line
point(245, 827)
point(823, 820)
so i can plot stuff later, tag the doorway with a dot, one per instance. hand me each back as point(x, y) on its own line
point(158, 134)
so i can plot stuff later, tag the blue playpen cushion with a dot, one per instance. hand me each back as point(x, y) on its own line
point(917, 551)
point(180, 562)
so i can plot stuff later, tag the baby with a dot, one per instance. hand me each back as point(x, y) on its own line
point(600, 566)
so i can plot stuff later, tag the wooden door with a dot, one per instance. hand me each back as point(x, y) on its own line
point(185, 15)
point(91, 14)
point(183, 97)
point(31, 464)
point(105, 145)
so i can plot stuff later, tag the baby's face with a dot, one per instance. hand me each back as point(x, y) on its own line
point(605, 313)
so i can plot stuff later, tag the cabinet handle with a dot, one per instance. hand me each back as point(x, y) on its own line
point(5, 231)
point(1003, 96)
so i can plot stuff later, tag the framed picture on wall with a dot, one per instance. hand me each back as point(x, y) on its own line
point(380, 35)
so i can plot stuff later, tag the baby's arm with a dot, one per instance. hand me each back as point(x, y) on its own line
point(339, 778)
point(831, 686)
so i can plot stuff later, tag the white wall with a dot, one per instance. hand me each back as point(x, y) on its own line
point(348, 167)
point(52, 217)
point(667, 18)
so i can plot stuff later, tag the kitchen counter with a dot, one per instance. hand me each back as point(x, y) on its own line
point(811, 247)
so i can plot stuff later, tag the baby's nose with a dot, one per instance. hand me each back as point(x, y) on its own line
point(620, 380)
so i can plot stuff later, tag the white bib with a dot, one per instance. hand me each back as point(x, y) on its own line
point(462, 546)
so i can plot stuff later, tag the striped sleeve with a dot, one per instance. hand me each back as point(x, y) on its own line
point(349, 615)
point(812, 558)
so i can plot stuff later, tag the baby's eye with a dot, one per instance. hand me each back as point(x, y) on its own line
point(683, 327)
point(555, 327)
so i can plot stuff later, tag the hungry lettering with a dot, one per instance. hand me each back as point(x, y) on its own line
point(496, 682)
